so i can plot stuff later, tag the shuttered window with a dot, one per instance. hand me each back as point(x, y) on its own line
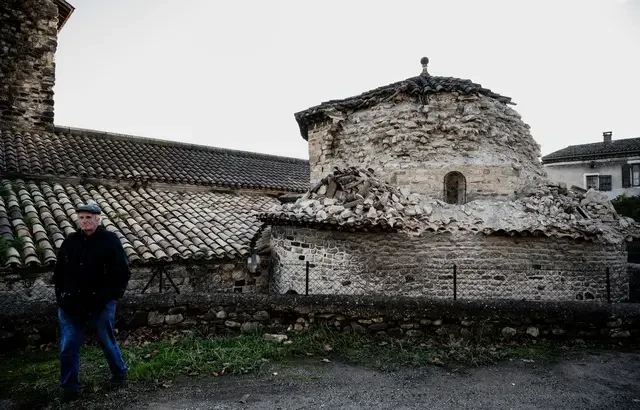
point(626, 176)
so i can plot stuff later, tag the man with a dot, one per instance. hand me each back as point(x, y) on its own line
point(91, 274)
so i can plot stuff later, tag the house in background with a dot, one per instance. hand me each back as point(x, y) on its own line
point(612, 167)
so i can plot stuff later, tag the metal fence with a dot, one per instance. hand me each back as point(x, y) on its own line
point(442, 281)
point(453, 281)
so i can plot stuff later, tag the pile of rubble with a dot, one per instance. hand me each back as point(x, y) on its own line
point(350, 197)
point(355, 198)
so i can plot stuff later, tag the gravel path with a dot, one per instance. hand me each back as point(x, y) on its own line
point(585, 380)
point(589, 380)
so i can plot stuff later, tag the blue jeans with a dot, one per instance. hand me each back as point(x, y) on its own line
point(72, 338)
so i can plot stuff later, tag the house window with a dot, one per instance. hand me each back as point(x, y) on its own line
point(604, 182)
point(635, 175)
point(592, 182)
point(597, 182)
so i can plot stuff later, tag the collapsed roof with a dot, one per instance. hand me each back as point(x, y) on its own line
point(355, 199)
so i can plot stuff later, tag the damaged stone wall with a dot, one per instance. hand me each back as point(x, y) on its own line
point(194, 278)
point(414, 145)
point(28, 41)
point(488, 267)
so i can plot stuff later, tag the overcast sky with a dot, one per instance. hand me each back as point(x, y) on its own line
point(232, 73)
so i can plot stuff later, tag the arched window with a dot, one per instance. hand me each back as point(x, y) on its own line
point(455, 188)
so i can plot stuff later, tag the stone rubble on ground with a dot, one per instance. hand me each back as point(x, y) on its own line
point(275, 338)
point(356, 198)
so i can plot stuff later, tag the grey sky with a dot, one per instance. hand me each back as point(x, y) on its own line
point(232, 73)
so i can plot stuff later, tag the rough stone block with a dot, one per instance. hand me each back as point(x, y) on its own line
point(261, 315)
point(533, 331)
point(173, 319)
point(275, 338)
point(249, 327)
point(155, 319)
point(508, 332)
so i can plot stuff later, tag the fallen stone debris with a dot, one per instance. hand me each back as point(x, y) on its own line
point(355, 198)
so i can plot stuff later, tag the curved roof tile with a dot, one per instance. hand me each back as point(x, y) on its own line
point(153, 226)
point(85, 153)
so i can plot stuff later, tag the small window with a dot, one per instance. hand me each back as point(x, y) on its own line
point(604, 183)
point(455, 188)
point(592, 182)
point(635, 175)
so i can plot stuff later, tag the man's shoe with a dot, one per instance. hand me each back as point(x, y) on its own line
point(117, 382)
point(68, 396)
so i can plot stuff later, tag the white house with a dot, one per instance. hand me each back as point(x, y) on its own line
point(612, 167)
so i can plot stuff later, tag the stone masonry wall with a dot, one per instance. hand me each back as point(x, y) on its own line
point(413, 320)
point(28, 41)
point(413, 145)
point(487, 267)
point(16, 288)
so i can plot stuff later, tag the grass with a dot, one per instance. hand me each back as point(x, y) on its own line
point(34, 374)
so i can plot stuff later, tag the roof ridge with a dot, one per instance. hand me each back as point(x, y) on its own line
point(417, 86)
point(157, 141)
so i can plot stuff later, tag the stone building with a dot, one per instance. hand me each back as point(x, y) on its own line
point(445, 137)
point(184, 213)
point(432, 172)
point(434, 178)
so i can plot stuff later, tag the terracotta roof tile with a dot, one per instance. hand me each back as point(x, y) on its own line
point(153, 226)
point(85, 153)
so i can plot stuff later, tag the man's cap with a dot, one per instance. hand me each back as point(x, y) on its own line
point(90, 208)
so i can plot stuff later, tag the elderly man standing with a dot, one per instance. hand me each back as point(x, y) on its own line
point(91, 274)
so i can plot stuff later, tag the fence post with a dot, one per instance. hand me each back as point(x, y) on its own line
point(608, 285)
point(306, 290)
point(455, 282)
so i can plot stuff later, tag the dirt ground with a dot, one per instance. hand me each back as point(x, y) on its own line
point(585, 380)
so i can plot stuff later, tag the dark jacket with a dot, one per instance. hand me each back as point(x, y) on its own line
point(90, 271)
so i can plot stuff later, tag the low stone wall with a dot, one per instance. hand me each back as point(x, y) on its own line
point(410, 319)
point(487, 267)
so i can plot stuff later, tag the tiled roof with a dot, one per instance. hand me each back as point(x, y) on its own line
point(621, 147)
point(154, 226)
point(84, 153)
point(419, 86)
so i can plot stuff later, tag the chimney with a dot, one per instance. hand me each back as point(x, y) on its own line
point(28, 42)
point(607, 136)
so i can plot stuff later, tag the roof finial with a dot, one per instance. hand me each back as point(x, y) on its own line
point(424, 61)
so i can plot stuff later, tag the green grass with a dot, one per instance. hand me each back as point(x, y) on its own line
point(34, 374)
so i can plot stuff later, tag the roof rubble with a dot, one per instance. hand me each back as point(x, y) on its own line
point(355, 199)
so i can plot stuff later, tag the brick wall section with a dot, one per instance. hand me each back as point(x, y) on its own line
point(414, 145)
point(28, 41)
point(488, 267)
